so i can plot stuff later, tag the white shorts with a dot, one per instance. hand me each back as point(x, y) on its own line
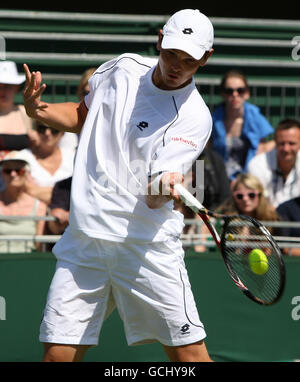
point(147, 282)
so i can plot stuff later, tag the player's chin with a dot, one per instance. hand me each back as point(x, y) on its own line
point(174, 82)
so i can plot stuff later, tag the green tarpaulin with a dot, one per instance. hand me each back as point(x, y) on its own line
point(237, 328)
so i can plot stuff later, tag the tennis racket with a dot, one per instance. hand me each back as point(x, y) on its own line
point(262, 279)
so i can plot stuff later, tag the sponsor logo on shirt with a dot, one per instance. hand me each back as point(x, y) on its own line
point(142, 125)
point(185, 141)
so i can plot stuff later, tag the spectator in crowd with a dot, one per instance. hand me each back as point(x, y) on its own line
point(49, 162)
point(60, 206)
point(209, 181)
point(215, 183)
point(290, 211)
point(16, 128)
point(247, 198)
point(13, 118)
point(239, 129)
point(279, 169)
point(14, 201)
point(69, 141)
point(16, 131)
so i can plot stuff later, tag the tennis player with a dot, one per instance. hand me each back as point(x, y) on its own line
point(142, 125)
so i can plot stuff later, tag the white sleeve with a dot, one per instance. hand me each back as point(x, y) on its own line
point(98, 77)
point(93, 82)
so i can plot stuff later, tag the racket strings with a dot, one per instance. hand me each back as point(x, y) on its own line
point(262, 280)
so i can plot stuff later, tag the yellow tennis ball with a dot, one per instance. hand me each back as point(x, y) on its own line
point(258, 261)
point(230, 237)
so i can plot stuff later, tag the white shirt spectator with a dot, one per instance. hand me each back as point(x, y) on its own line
point(43, 177)
point(69, 141)
point(278, 190)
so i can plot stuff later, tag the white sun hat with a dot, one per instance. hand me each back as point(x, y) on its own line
point(17, 157)
point(9, 73)
point(189, 30)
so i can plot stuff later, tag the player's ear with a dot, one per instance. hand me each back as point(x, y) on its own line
point(160, 37)
point(206, 56)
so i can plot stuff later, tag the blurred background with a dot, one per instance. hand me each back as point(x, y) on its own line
point(62, 41)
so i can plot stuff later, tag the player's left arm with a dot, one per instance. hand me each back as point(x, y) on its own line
point(65, 116)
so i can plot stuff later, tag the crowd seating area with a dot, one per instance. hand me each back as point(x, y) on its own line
point(62, 45)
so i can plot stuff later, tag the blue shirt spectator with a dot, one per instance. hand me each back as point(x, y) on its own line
point(239, 128)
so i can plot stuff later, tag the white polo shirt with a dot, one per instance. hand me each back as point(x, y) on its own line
point(133, 130)
point(264, 166)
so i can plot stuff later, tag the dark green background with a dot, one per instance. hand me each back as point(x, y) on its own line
point(237, 328)
point(234, 8)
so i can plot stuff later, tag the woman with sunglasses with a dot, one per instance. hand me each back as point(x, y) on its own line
point(14, 201)
point(49, 162)
point(248, 199)
point(239, 129)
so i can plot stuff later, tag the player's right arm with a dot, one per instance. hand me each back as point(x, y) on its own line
point(66, 116)
point(163, 192)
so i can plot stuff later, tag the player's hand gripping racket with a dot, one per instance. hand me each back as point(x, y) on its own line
point(251, 255)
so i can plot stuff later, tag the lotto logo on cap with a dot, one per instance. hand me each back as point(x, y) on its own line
point(189, 30)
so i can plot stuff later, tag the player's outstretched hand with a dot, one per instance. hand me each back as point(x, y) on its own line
point(32, 93)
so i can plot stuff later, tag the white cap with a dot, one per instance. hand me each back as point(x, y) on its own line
point(15, 156)
point(189, 30)
point(9, 73)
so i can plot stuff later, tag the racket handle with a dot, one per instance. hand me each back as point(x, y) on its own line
point(188, 199)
